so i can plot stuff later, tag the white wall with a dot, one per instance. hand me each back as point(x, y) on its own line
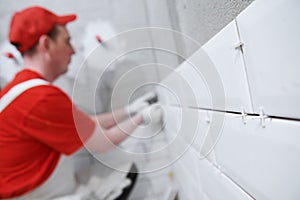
point(232, 109)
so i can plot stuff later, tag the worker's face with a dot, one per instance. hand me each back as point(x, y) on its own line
point(61, 50)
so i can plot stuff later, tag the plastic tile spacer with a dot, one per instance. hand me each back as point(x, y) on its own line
point(239, 45)
point(262, 117)
point(244, 115)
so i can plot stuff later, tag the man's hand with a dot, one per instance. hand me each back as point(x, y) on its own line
point(141, 103)
point(153, 114)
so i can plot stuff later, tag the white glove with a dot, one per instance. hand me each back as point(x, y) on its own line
point(153, 114)
point(118, 190)
point(140, 103)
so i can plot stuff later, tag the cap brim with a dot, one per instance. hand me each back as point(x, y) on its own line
point(65, 19)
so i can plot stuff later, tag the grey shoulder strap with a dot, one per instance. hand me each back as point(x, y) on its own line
point(15, 91)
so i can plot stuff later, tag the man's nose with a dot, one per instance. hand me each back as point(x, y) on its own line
point(72, 50)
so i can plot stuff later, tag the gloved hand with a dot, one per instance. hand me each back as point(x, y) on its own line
point(153, 114)
point(140, 103)
point(117, 191)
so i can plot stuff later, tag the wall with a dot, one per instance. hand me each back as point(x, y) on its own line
point(202, 19)
point(232, 114)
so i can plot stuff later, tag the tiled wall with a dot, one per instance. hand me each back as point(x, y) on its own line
point(232, 109)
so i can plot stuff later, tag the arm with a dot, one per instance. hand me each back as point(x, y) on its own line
point(110, 132)
point(110, 119)
point(103, 139)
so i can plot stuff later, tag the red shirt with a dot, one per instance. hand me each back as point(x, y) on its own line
point(35, 129)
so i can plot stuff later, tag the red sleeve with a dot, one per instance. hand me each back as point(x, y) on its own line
point(56, 122)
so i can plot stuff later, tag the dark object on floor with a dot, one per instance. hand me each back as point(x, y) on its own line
point(132, 175)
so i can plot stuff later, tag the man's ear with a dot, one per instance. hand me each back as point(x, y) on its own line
point(44, 43)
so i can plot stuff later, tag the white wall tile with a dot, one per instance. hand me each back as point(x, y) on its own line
point(200, 179)
point(197, 83)
point(193, 127)
point(187, 175)
point(176, 89)
point(264, 161)
point(196, 89)
point(217, 186)
point(270, 30)
point(228, 62)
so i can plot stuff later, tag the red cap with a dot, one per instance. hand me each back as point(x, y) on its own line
point(29, 24)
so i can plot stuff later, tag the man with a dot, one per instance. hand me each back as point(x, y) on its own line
point(38, 122)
